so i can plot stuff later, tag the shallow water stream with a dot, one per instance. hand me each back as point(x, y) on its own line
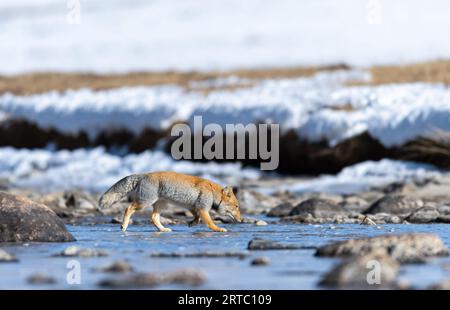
point(288, 269)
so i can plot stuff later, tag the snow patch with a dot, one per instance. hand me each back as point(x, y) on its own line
point(95, 170)
point(366, 175)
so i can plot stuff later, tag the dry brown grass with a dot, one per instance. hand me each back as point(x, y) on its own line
point(33, 83)
point(345, 108)
point(433, 72)
point(25, 84)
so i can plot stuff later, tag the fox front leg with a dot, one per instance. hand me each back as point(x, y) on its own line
point(206, 218)
point(202, 206)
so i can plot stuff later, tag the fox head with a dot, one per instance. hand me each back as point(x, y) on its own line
point(229, 205)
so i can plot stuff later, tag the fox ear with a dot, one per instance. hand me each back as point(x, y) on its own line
point(228, 190)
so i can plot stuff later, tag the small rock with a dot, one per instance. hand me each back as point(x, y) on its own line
point(263, 244)
point(356, 272)
point(423, 215)
point(395, 204)
point(117, 267)
point(40, 278)
point(444, 214)
point(191, 277)
point(24, 220)
point(74, 251)
point(405, 248)
point(318, 208)
point(249, 220)
point(260, 261)
point(281, 210)
point(6, 257)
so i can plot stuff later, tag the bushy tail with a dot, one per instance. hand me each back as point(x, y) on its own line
point(119, 190)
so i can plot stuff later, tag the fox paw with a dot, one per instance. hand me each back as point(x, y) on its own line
point(220, 229)
point(165, 229)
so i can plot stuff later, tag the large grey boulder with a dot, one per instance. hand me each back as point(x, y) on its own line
point(369, 271)
point(405, 248)
point(427, 214)
point(318, 208)
point(395, 204)
point(23, 220)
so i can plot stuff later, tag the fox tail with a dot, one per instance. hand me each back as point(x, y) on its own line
point(119, 190)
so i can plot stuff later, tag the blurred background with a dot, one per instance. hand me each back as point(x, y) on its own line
point(117, 36)
point(91, 88)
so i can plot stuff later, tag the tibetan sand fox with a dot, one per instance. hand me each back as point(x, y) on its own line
point(161, 188)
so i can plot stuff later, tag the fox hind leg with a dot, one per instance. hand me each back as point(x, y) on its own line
point(128, 213)
point(157, 207)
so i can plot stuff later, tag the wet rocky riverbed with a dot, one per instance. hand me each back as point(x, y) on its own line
point(221, 261)
point(286, 241)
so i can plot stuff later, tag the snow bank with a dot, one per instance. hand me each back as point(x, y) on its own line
point(123, 108)
point(95, 170)
point(118, 35)
point(366, 175)
point(321, 107)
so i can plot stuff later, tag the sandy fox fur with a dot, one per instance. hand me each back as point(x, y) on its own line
point(160, 188)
